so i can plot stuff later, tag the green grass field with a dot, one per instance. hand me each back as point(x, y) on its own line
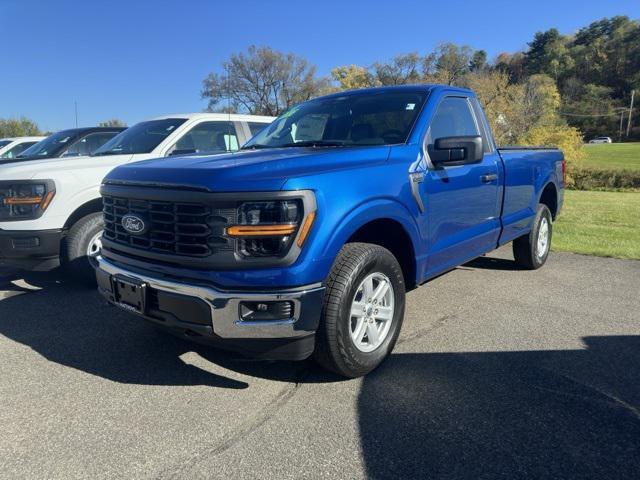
point(618, 156)
point(599, 223)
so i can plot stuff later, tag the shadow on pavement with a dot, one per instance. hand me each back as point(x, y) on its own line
point(538, 414)
point(493, 263)
point(73, 326)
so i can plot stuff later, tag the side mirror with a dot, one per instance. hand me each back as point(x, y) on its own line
point(184, 151)
point(450, 151)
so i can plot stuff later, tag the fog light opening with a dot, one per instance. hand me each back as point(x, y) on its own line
point(266, 311)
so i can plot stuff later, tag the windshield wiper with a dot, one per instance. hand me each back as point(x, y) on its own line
point(314, 143)
point(255, 146)
point(108, 152)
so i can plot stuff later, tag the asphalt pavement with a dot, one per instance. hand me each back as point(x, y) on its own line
point(498, 373)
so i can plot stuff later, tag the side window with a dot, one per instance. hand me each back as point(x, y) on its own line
point(208, 137)
point(453, 118)
point(17, 150)
point(89, 144)
point(255, 127)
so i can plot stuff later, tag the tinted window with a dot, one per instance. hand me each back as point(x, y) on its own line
point(369, 118)
point(255, 127)
point(453, 118)
point(4, 143)
point(17, 150)
point(89, 144)
point(208, 137)
point(52, 145)
point(141, 138)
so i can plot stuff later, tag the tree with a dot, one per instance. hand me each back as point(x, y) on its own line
point(478, 61)
point(262, 81)
point(548, 54)
point(114, 122)
point(353, 76)
point(452, 62)
point(500, 100)
point(402, 70)
point(18, 127)
point(540, 101)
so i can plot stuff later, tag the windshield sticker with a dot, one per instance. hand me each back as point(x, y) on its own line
point(410, 106)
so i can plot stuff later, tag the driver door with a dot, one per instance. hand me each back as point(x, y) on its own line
point(462, 201)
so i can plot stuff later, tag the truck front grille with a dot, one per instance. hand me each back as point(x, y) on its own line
point(188, 229)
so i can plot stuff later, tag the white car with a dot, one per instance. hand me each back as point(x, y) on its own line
point(600, 140)
point(50, 210)
point(11, 147)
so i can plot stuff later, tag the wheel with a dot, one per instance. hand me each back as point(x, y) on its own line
point(84, 241)
point(531, 251)
point(362, 310)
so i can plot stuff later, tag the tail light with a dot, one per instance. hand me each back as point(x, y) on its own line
point(564, 172)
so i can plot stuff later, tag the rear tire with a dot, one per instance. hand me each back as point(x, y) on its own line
point(355, 335)
point(531, 251)
point(81, 243)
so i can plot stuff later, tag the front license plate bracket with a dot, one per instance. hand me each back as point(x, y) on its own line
point(130, 293)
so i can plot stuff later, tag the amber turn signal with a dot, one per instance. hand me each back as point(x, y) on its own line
point(22, 200)
point(42, 201)
point(260, 230)
point(305, 228)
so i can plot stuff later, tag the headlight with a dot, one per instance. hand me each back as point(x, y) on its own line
point(25, 199)
point(268, 229)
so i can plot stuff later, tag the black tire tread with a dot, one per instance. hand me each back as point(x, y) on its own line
point(524, 247)
point(330, 351)
point(75, 249)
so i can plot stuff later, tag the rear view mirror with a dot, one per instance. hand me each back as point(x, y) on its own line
point(450, 151)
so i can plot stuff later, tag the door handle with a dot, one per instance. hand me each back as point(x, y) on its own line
point(488, 178)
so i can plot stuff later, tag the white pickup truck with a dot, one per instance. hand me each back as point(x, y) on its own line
point(50, 209)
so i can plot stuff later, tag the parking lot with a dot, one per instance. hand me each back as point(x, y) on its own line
point(498, 373)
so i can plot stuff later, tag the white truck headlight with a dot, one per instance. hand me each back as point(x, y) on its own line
point(25, 199)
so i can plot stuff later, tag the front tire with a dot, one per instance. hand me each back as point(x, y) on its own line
point(362, 312)
point(531, 251)
point(83, 242)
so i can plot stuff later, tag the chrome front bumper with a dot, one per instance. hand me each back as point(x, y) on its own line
point(225, 305)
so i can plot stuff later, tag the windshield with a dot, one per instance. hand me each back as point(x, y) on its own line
point(372, 118)
point(141, 138)
point(4, 143)
point(51, 145)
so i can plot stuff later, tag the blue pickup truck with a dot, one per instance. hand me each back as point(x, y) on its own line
point(306, 241)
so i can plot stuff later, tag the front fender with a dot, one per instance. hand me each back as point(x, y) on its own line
point(356, 218)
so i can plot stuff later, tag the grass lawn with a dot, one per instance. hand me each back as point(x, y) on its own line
point(599, 223)
point(617, 156)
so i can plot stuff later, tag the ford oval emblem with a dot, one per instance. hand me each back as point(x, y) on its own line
point(134, 224)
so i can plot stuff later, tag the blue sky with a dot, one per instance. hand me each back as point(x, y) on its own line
point(137, 59)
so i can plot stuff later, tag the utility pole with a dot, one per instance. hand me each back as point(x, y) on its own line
point(75, 104)
point(630, 112)
point(620, 131)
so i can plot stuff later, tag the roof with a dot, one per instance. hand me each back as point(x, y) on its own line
point(422, 87)
point(234, 117)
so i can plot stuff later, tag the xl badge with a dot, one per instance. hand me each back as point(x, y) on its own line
point(134, 224)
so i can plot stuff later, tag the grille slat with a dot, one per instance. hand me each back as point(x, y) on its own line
point(187, 229)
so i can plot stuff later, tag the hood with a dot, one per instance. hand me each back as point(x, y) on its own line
point(247, 170)
point(47, 167)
